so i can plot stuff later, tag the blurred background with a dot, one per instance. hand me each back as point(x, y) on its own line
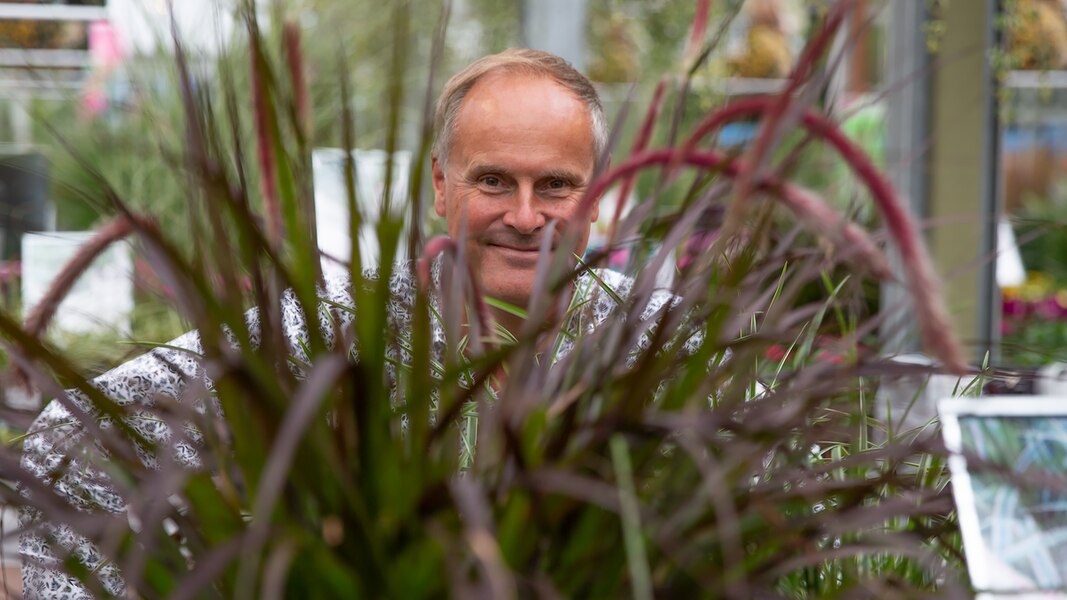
point(965, 106)
point(963, 103)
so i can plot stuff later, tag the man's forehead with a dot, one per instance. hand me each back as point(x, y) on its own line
point(506, 94)
point(523, 120)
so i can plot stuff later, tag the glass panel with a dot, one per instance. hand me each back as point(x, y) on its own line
point(1031, 269)
point(1021, 513)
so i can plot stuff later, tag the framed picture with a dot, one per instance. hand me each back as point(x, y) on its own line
point(1008, 461)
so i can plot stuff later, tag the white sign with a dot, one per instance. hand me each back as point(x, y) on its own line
point(331, 202)
point(102, 298)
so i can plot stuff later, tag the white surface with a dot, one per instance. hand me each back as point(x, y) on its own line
point(47, 12)
point(331, 201)
point(9, 544)
point(1010, 270)
point(144, 25)
point(101, 299)
point(1052, 380)
point(907, 403)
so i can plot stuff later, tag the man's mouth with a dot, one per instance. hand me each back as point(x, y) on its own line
point(517, 255)
point(534, 249)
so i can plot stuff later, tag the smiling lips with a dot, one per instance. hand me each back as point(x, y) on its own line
point(516, 255)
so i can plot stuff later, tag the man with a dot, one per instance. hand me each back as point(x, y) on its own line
point(519, 137)
point(520, 133)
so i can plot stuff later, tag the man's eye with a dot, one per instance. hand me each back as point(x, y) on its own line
point(491, 181)
point(557, 185)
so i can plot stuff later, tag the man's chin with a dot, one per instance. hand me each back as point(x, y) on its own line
point(517, 296)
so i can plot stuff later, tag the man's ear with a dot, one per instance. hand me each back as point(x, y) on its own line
point(438, 176)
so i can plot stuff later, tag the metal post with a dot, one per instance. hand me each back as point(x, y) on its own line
point(907, 133)
point(989, 310)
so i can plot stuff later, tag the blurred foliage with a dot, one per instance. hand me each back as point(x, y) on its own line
point(633, 40)
point(1034, 322)
point(1041, 229)
point(355, 36)
point(51, 35)
point(1036, 37)
point(31, 34)
point(1034, 327)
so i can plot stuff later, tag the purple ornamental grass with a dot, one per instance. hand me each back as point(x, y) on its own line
point(37, 321)
point(697, 32)
point(920, 278)
point(644, 136)
point(264, 122)
point(646, 461)
point(294, 60)
point(785, 103)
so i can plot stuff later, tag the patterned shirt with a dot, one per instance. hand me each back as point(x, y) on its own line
point(58, 448)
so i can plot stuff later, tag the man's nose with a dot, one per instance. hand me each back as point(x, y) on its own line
point(524, 215)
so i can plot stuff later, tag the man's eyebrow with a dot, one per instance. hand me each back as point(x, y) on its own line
point(483, 169)
point(564, 174)
point(573, 177)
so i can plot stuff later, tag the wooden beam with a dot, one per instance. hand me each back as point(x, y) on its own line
point(963, 171)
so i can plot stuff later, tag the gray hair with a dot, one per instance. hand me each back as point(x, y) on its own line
point(524, 61)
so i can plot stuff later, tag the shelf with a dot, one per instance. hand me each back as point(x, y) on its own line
point(52, 12)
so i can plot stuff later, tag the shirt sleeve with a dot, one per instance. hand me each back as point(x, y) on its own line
point(60, 451)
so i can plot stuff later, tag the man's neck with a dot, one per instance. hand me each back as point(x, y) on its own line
point(511, 323)
point(515, 324)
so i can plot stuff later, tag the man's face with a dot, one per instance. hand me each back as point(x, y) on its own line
point(522, 155)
